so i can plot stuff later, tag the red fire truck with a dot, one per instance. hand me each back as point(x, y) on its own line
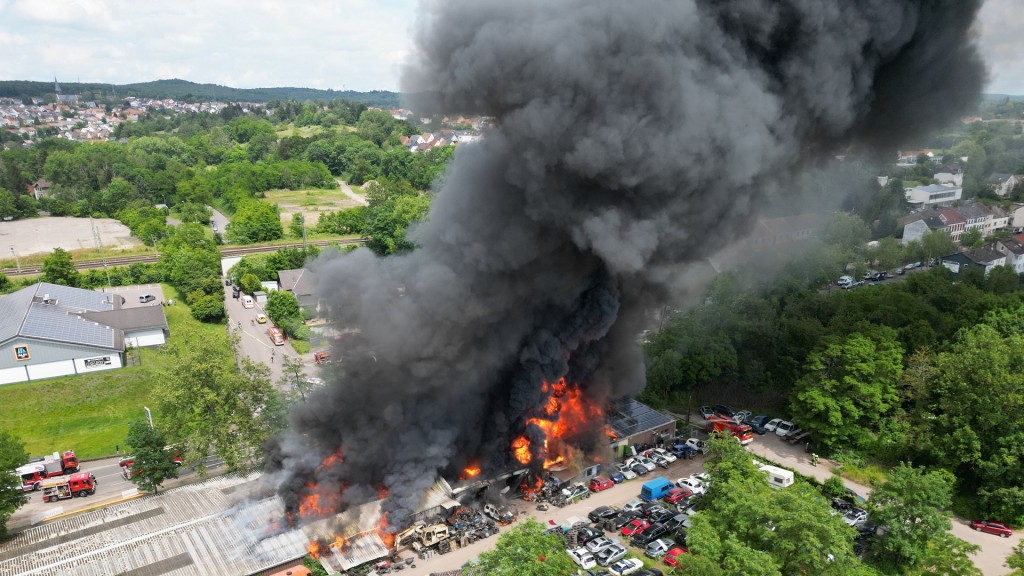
point(62, 487)
point(720, 426)
point(56, 464)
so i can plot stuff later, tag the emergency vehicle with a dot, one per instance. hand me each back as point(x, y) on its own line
point(62, 487)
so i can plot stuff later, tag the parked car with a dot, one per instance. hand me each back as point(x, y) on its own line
point(646, 462)
point(576, 492)
point(724, 410)
point(676, 522)
point(855, 517)
point(689, 502)
point(660, 460)
point(276, 335)
point(784, 428)
point(235, 292)
point(707, 412)
point(598, 484)
point(634, 505)
point(683, 451)
point(627, 472)
point(698, 445)
point(602, 513)
point(624, 518)
point(663, 452)
point(648, 572)
point(997, 528)
point(146, 298)
point(600, 543)
point(676, 494)
point(635, 526)
point(672, 556)
point(583, 558)
point(649, 534)
point(692, 484)
point(772, 424)
point(261, 318)
point(611, 554)
point(585, 534)
point(639, 469)
point(660, 515)
point(626, 566)
point(658, 548)
point(757, 423)
point(742, 416)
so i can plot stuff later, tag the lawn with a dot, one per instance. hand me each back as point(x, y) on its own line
point(90, 413)
point(309, 202)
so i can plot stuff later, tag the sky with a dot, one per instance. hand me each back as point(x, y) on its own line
point(339, 44)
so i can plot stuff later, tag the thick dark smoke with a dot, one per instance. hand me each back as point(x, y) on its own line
point(631, 139)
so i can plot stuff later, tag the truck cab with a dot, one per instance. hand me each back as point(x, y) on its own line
point(62, 487)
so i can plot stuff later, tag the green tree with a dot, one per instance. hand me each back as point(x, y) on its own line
point(255, 221)
point(849, 387)
point(888, 253)
point(58, 268)
point(213, 407)
point(294, 379)
point(1016, 560)
point(298, 225)
point(391, 208)
point(746, 527)
point(208, 309)
point(281, 306)
point(523, 551)
point(972, 238)
point(911, 509)
point(152, 465)
point(250, 283)
point(847, 232)
point(12, 497)
point(1002, 280)
point(937, 243)
point(8, 207)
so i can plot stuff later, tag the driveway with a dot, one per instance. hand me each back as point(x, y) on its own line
point(219, 219)
point(994, 550)
point(347, 190)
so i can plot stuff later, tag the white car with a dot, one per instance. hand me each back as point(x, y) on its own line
point(658, 548)
point(600, 543)
point(583, 558)
point(698, 445)
point(633, 505)
point(613, 553)
point(784, 428)
point(660, 460)
point(664, 454)
point(772, 424)
point(645, 462)
point(703, 477)
point(626, 472)
point(692, 484)
point(626, 566)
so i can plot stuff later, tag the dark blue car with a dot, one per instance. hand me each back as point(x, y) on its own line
point(613, 474)
point(757, 423)
point(683, 451)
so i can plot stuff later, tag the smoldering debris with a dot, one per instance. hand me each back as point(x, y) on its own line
point(630, 141)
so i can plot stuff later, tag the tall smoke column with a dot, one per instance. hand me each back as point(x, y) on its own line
point(631, 139)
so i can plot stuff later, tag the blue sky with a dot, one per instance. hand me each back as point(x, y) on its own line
point(340, 44)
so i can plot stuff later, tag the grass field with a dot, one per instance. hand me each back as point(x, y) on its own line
point(310, 203)
point(90, 413)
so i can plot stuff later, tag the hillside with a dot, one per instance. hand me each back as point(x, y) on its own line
point(183, 90)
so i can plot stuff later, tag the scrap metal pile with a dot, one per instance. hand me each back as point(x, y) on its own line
point(463, 527)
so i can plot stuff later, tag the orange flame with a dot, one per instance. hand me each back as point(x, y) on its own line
point(384, 531)
point(339, 543)
point(471, 471)
point(314, 549)
point(521, 449)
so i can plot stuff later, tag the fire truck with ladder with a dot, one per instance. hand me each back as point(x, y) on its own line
point(720, 426)
point(56, 464)
point(62, 487)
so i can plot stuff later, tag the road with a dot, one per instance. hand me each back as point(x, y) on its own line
point(994, 550)
point(347, 191)
point(110, 489)
point(253, 341)
point(219, 219)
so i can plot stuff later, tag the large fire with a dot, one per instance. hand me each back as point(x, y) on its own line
point(471, 471)
point(565, 414)
point(316, 500)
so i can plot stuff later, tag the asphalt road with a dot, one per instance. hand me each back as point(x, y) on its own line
point(220, 219)
point(110, 489)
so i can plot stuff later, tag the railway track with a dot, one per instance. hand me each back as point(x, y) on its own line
point(150, 258)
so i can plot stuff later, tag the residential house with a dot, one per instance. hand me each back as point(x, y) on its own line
point(1013, 249)
point(974, 216)
point(953, 223)
point(786, 229)
point(950, 178)
point(911, 156)
point(933, 195)
point(41, 189)
point(984, 257)
point(997, 220)
point(300, 283)
point(917, 224)
point(1002, 184)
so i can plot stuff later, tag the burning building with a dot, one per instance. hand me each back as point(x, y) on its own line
point(627, 146)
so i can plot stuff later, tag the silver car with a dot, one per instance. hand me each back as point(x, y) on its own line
point(611, 554)
point(600, 543)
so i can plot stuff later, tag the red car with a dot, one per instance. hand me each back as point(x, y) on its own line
point(997, 528)
point(676, 494)
point(598, 484)
point(672, 557)
point(635, 526)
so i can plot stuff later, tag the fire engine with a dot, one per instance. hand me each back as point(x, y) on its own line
point(62, 487)
point(720, 426)
point(56, 464)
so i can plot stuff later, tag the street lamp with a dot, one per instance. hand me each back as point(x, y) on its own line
point(149, 416)
point(16, 259)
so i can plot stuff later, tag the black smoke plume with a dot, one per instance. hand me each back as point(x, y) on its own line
point(631, 140)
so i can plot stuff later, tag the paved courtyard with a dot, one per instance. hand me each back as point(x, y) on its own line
point(42, 235)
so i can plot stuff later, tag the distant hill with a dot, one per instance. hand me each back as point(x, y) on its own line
point(1000, 97)
point(185, 91)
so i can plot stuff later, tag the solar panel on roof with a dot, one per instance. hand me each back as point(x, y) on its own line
point(627, 417)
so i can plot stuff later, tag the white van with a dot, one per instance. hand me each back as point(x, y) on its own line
point(777, 477)
point(845, 281)
point(248, 302)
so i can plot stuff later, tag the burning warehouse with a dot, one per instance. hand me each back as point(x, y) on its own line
point(626, 150)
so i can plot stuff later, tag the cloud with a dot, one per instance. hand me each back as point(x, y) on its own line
point(1000, 25)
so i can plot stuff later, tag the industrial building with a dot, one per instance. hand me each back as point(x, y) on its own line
point(634, 423)
point(48, 330)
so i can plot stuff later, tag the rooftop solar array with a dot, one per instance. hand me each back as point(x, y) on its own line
point(627, 417)
point(56, 323)
point(51, 312)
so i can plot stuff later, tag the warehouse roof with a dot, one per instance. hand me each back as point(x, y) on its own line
point(52, 312)
point(627, 417)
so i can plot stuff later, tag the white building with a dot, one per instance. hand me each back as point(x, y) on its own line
point(933, 195)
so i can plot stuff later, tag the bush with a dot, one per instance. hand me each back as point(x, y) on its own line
point(250, 283)
point(834, 487)
point(282, 306)
point(209, 309)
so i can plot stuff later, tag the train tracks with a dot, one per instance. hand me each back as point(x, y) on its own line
point(150, 258)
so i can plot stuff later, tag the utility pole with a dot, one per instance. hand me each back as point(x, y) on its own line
point(303, 217)
point(17, 260)
point(99, 248)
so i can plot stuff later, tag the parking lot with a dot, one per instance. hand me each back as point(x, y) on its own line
point(42, 235)
point(132, 294)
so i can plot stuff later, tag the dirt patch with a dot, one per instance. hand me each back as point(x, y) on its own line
point(42, 235)
point(310, 203)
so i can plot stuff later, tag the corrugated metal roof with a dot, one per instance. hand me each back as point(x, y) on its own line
point(50, 312)
point(13, 308)
point(627, 417)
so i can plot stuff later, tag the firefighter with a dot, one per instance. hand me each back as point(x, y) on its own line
point(814, 459)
